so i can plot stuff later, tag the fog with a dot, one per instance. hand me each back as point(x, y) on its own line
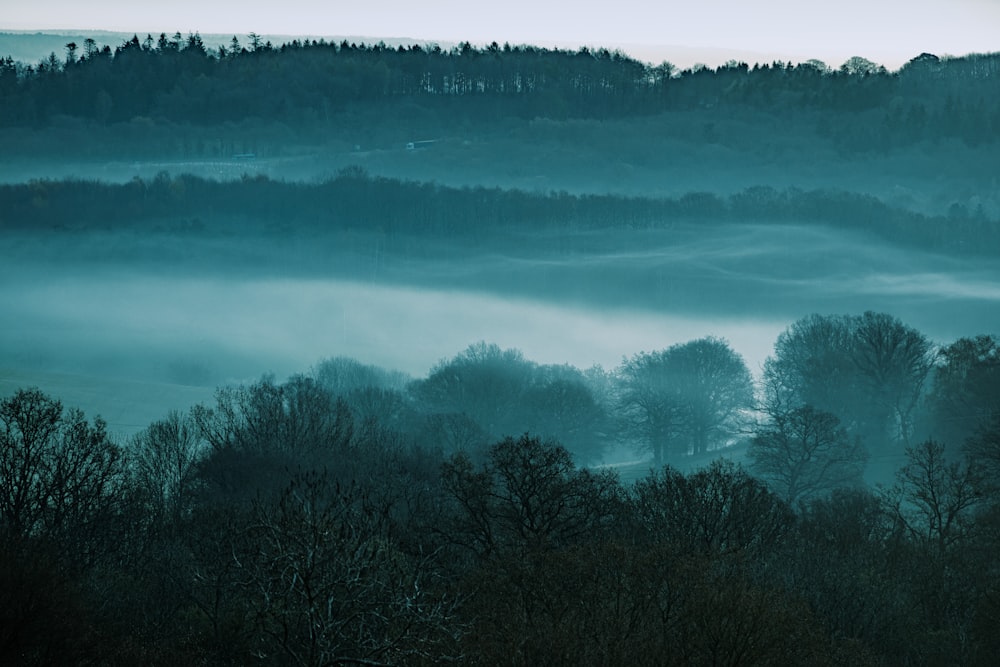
point(337, 353)
point(651, 164)
point(665, 154)
point(221, 316)
point(242, 328)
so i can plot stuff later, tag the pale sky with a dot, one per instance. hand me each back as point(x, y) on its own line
point(887, 31)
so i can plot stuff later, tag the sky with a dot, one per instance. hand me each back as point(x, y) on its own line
point(711, 31)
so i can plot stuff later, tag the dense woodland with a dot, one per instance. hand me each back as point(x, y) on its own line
point(181, 80)
point(353, 515)
point(404, 211)
point(160, 90)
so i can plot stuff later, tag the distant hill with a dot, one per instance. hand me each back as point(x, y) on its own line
point(30, 47)
point(923, 137)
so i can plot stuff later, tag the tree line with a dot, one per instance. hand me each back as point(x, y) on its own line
point(355, 516)
point(356, 201)
point(309, 83)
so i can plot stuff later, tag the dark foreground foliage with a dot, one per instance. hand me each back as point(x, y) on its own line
point(353, 519)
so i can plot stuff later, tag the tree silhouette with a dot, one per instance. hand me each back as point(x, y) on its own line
point(805, 453)
point(686, 399)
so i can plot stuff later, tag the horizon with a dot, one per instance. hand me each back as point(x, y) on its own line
point(889, 33)
point(681, 55)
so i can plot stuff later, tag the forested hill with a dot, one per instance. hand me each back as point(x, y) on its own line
point(180, 80)
point(357, 201)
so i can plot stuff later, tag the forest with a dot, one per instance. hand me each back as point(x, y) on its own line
point(354, 515)
point(180, 80)
point(407, 210)
point(598, 486)
point(174, 97)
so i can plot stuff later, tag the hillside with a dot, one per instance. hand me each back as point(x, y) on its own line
point(531, 118)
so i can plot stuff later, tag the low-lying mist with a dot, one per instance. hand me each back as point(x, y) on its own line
point(219, 329)
point(661, 155)
point(206, 310)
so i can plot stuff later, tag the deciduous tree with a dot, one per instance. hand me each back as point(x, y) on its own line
point(686, 399)
point(868, 370)
point(164, 459)
point(61, 475)
point(965, 389)
point(806, 452)
point(329, 586)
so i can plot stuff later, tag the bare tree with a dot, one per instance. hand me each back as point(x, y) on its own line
point(527, 496)
point(329, 586)
point(507, 394)
point(811, 365)
point(61, 476)
point(894, 361)
point(965, 389)
point(935, 498)
point(485, 382)
point(720, 510)
point(806, 452)
point(342, 375)
point(688, 398)
point(299, 418)
point(868, 370)
point(983, 451)
point(936, 502)
point(164, 459)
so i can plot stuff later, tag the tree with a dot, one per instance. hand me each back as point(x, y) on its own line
point(329, 586)
point(816, 65)
point(861, 67)
point(729, 619)
point(719, 511)
point(342, 375)
point(867, 370)
point(894, 361)
point(687, 399)
point(812, 365)
point(505, 394)
point(372, 393)
point(716, 531)
point(60, 482)
point(935, 497)
point(965, 389)
point(43, 617)
point(103, 104)
point(485, 382)
point(60, 474)
point(528, 496)
point(258, 434)
point(561, 404)
point(520, 525)
point(298, 418)
point(662, 73)
point(936, 501)
point(982, 450)
point(806, 452)
point(452, 433)
point(847, 560)
point(164, 457)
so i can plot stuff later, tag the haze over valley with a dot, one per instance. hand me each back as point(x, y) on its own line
point(121, 303)
point(365, 351)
